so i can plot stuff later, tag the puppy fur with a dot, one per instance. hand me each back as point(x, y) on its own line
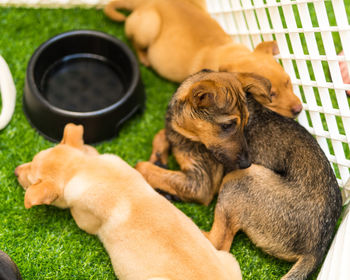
point(179, 38)
point(145, 235)
point(287, 202)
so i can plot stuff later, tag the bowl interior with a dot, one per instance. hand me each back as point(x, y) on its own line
point(82, 72)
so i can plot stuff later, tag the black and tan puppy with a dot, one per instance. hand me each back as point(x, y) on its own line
point(287, 202)
point(204, 126)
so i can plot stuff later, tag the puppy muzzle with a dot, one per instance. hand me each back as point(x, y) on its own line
point(229, 163)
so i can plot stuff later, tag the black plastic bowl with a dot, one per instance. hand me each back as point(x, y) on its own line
point(84, 77)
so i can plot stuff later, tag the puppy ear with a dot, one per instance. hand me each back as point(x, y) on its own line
point(202, 94)
point(43, 192)
point(256, 85)
point(268, 47)
point(73, 135)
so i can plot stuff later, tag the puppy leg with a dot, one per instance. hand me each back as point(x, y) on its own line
point(194, 183)
point(142, 28)
point(160, 151)
point(222, 232)
point(200, 176)
point(175, 183)
point(262, 204)
point(302, 268)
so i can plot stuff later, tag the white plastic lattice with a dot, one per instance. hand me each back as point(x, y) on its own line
point(309, 35)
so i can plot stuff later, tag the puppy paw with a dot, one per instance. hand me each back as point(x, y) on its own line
point(161, 164)
point(143, 167)
point(168, 196)
point(159, 159)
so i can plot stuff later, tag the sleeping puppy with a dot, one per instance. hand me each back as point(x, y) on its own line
point(145, 235)
point(178, 38)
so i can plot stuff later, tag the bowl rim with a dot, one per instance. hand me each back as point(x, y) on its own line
point(33, 62)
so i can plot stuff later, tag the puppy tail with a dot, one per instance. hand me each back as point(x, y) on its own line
point(302, 268)
point(110, 9)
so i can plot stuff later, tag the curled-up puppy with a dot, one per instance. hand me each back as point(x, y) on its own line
point(287, 202)
point(146, 236)
point(178, 38)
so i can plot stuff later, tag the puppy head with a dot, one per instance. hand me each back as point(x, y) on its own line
point(262, 62)
point(44, 178)
point(210, 108)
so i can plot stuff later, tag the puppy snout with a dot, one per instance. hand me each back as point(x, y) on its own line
point(244, 160)
point(297, 109)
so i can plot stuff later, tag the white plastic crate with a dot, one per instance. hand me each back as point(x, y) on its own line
point(309, 34)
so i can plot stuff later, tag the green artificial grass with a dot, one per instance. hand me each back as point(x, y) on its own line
point(44, 241)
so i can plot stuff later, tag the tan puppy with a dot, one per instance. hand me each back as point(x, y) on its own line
point(145, 235)
point(179, 38)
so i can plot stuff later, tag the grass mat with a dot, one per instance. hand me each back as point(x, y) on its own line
point(44, 241)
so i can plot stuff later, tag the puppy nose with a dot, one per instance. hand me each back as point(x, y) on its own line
point(297, 109)
point(244, 161)
point(243, 164)
point(17, 171)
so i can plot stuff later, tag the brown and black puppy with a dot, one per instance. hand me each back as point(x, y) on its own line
point(204, 126)
point(8, 269)
point(287, 202)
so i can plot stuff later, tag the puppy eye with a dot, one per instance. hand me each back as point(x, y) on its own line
point(228, 126)
point(273, 94)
